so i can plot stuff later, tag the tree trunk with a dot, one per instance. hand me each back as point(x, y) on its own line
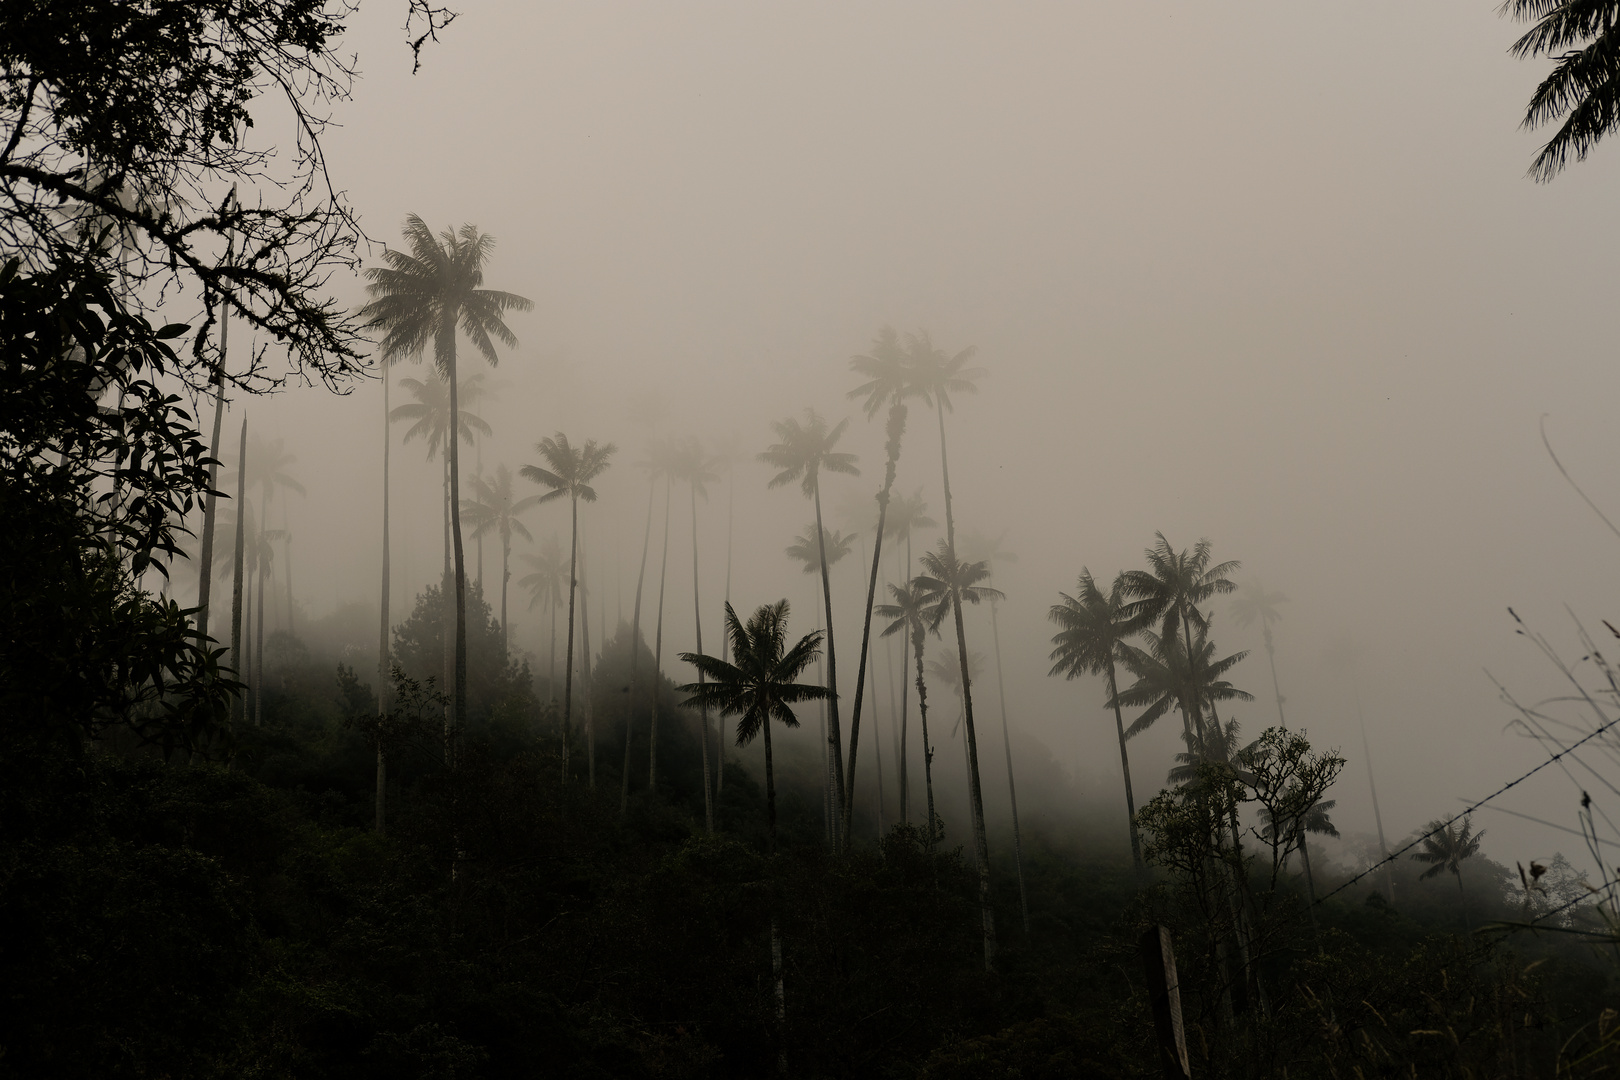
point(1125, 768)
point(1271, 655)
point(658, 651)
point(210, 507)
point(770, 786)
point(1012, 790)
point(703, 710)
point(635, 650)
point(585, 669)
point(928, 750)
point(506, 576)
point(459, 700)
point(383, 680)
point(568, 656)
point(877, 747)
point(236, 582)
point(980, 842)
point(896, 428)
point(1310, 883)
point(834, 738)
point(258, 650)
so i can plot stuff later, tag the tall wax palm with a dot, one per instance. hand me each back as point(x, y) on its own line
point(808, 552)
point(947, 672)
point(759, 684)
point(1166, 679)
point(238, 658)
point(1255, 603)
point(429, 418)
point(907, 515)
point(757, 687)
point(268, 464)
point(951, 583)
point(572, 468)
point(211, 500)
point(727, 450)
point(1583, 89)
point(981, 548)
point(384, 634)
point(1091, 628)
point(1172, 590)
point(493, 508)
point(888, 381)
point(803, 452)
point(910, 614)
point(422, 297)
point(693, 464)
point(544, 586)
point(1451, 845)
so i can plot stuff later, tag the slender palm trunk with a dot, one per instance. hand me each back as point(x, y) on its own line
point(258, 652)
point(658, 651)
point(980, 843)
point(459, 700)
point(877, 745)
point(568, 656)
point(1372, 785)
point(703, 711)
point(551, 661)
point(1012, 790)
point(725, 639)
point(770, 785)
point(835, 741)
point(585, 665)
point(236, 582)
point(1125, 768)
point(1463, 898)
point(247, 651)
point(896, 428)
point(1271, 655)
point(382, 641)
point(506, 576)
point(1310, 883)
point(286, 561)
point(210, 507)
point(447, 597)
point(635, 651)
point(928, 750)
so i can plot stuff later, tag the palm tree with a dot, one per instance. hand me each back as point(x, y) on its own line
point(757, 687)
point(1092, 627)
point(888, 381)
point(807, 551)
point(950, 582)
point(422, 297)
point(1172, 589)
point(1583, 88)
point(1445, 849)
point(910, 614)
point(571, 472)
point(1166, 679)
point(493, 509)
point(906, 517)
point(1253, 601)
point(659, 461)
point(211, 501)
point(697, 468)
point(727, 450)
point(803, 452)
point(544, 586)
point(1314, 820)
point(238, 555)
point(947, 672)
point(429, 417)
point(383, 680)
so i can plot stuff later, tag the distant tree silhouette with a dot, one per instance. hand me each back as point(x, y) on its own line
point(572, 468)
point(1092, 627)
point(906, 516)
point(951, 583)
point(1255, 603)
point(1446, 850)
point(803, 451)
point(910, 614)
point(421, 297)
point(493, 508)
point(544, 584)
point(694, 465)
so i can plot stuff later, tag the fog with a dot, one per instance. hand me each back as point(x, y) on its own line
point(1271, 275)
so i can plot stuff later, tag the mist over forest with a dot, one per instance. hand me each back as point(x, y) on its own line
point(499, 504)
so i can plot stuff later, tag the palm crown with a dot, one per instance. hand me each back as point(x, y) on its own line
point(757, 685)
point(493, 508)
point(886, 370)
point(945, 578)
point(430, 413)
point(1583, 88)
point(805, 450)
point(1165, 677)
point(1091, 627)
point(935, 374)
point(544, 583)
point(1174, 585)
point(572, 468)
point(803, 548)
point(1448, 846)
point(421, 296)
point(907, 515)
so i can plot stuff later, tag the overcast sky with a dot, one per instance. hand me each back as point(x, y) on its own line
point(1270, 274)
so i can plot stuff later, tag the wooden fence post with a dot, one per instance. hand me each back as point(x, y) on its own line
point(1164, 995)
